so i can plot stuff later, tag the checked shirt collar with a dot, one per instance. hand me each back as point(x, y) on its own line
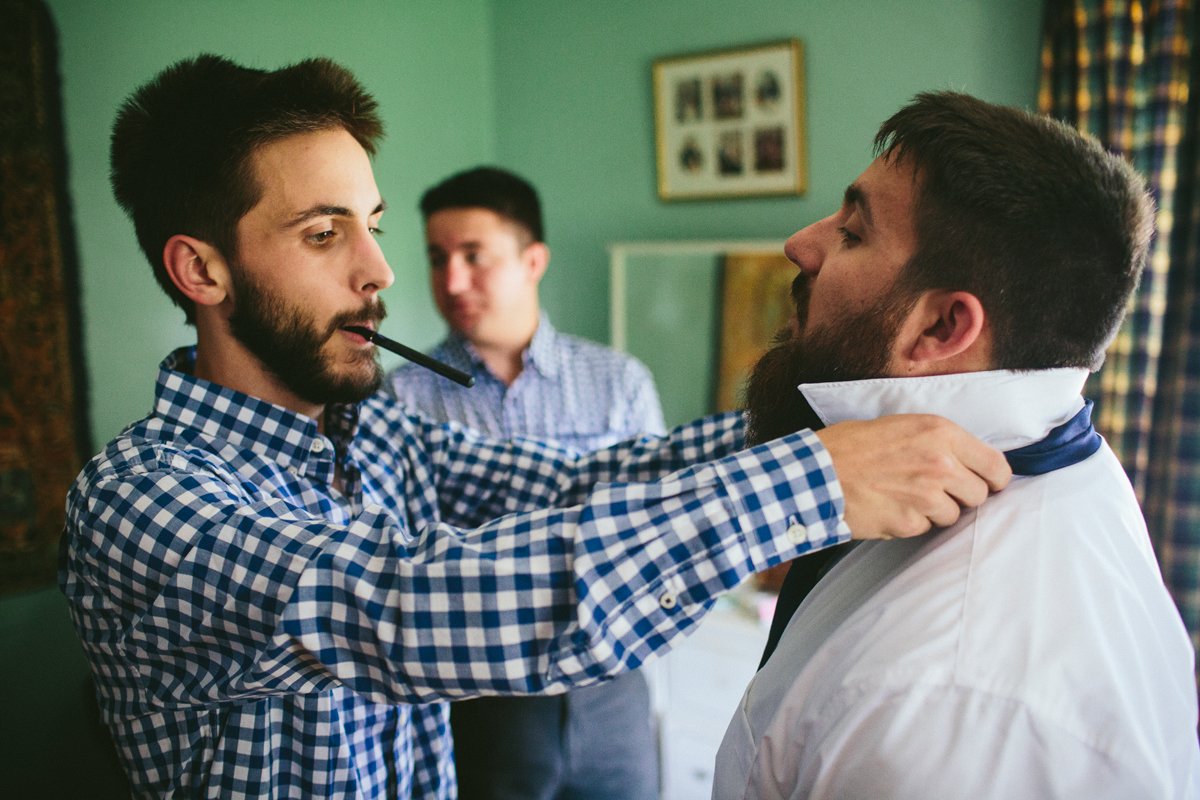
point(285, 437)
point(541, 353)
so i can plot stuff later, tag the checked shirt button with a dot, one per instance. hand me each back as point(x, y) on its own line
point(318, 446)
point(667, 601)
point(797, 533)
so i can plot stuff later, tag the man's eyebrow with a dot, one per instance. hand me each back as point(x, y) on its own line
point(328, 211)
point(856, 197)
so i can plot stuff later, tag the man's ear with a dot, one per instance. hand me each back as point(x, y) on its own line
point(198, 269)
point(536, 258)
point(945, 332)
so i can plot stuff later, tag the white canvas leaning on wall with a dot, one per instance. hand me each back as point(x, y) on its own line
point(665, 309)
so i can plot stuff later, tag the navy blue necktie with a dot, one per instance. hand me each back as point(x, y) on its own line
point(1068, 444)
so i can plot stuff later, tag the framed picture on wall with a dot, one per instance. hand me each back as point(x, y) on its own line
point(756, 303)
point(730, 123)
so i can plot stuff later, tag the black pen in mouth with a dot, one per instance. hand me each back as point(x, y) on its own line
point(415, 356)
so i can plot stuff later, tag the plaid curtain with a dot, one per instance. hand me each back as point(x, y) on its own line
point(1120, 70)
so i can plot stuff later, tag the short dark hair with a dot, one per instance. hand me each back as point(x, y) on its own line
point(1048, 230)
point(497, 190)
point(182, 144)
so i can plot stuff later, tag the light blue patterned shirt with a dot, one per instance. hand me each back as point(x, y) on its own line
point(258, 628)
point(571, 391)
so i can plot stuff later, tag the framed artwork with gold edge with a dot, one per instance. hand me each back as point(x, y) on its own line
point(730, 123)
point(756, 304)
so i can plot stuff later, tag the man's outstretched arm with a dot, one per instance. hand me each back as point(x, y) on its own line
point(902, 475)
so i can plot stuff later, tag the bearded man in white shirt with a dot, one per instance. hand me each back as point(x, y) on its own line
point(977, 269)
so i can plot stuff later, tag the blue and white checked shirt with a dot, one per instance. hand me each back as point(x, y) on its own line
point(575, 392)
point(255, 632)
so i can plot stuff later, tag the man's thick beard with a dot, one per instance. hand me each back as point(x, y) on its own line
point(286, 340)
point(848, 349)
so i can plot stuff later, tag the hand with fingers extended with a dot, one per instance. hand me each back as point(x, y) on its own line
point(902, 475)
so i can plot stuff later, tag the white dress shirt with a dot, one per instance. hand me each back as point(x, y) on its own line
point(1030, 650)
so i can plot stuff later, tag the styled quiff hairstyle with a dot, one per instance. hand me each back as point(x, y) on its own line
point(1048, 230)
point(182, 145)
point(508, 195)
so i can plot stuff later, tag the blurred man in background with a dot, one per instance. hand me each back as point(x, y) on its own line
point(487, 254)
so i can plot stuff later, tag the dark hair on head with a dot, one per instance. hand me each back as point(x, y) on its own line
point(1044, 227)
point(497, 190)
point(182, 144)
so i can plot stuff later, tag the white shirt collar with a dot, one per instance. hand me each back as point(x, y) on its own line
point(1003, 408)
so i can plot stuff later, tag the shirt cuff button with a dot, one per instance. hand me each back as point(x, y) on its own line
point(797, 533)
point(318, 446)
point(667, 601)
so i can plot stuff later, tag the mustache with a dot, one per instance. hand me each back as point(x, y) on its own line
point(801, 289)
point(372, 313)
point(801, 295)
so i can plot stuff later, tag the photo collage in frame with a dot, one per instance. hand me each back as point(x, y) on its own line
point(729, 123)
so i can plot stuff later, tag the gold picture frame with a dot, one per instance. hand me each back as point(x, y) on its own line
point(756, 304)
point(730, 123)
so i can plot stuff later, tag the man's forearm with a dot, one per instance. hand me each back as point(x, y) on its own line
point(650, 458)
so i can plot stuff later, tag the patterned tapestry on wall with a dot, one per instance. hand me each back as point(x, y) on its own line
point(43, 428)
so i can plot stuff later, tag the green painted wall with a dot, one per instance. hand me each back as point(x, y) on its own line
point(574, 109)
point(428, 63)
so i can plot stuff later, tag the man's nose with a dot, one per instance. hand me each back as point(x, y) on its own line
point(458, 275)
point(374, 274)
point(806, 248)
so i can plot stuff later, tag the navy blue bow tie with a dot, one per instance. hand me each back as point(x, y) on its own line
point(1068, 444)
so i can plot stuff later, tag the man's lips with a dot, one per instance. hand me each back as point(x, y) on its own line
point(461, 309)
point(370, 324)
point(369, 315)
point(461, 315)
point(357, 338)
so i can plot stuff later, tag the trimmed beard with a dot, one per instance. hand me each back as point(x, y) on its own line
point(851, 348)
point(286, 340)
